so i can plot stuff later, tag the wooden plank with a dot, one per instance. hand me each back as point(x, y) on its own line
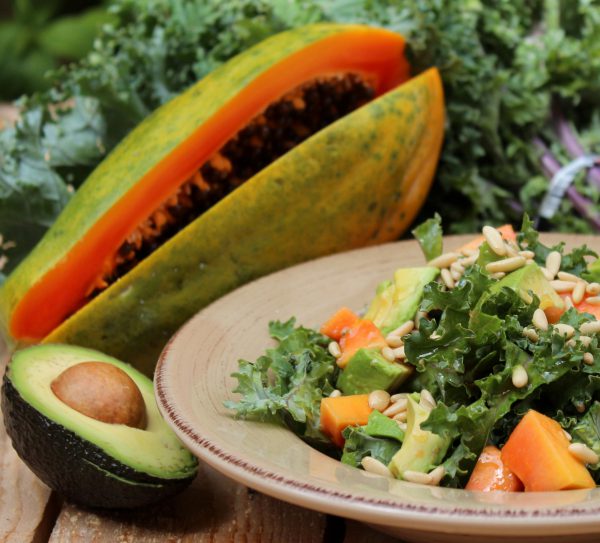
point(361, 533)
point(27, 511)
point(214, 508)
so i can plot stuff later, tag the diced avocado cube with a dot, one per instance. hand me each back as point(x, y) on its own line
point(396, 302)
point(380, 425)
point(421, 450)
point(525, 279)
point(367, 370)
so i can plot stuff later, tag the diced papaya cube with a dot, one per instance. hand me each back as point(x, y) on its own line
point(554, 313)
point(338, 413)
point(490, 473)
point(537, 452)
point(362, 335)
point(507, 233)
point(339, 323)
point(585, 307)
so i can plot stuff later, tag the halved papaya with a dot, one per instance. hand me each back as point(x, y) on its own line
point(327, 146)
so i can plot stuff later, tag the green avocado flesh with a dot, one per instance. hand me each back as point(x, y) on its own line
point(367, 370)
point(91, 462)
point(421, 450)
point(397, 301)
point(528, 279)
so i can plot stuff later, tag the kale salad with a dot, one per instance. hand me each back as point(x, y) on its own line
point(478, 370)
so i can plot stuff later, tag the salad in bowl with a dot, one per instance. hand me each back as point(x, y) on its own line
point(478, 370)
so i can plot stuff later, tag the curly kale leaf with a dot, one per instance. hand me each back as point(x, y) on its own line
point(289, 381)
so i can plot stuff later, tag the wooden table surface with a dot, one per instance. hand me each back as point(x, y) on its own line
point(213, 509)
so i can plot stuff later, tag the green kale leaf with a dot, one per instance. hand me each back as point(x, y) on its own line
point(288, 382)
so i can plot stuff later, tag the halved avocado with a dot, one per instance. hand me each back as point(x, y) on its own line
point(91, 462)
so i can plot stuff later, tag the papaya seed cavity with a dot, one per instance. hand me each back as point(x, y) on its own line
point(103, 392)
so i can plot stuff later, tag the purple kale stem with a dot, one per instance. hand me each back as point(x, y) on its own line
point(550, 165)
point(571, 143)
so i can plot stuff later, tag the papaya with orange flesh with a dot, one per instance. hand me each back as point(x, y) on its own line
point(537, 452)
point(314, 141)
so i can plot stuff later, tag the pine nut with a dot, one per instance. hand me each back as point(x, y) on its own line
point(401, 417)
point(372, 465)
point(334, 349)
point(456, 275)
point(547, 274)
point(416, 477)
point(553, 261)
point(468, 252)
point(578, 292)
point(529, 261)
point(388, 354)
point(434, 335)
point(506, 265)
point(498, 275)
point(565, 276)
point(335, 394)
point(531, 334)
point(527, 254)
point(437, 474)
point(588, 358)
point(565, 330)
point(585, 340)
point(569, 302)
point(594, 300)
point(399, 353)
point(394, 341)
point(593, 289)
point(519, 376)
point(511, 251)
point(402, 425)
point(457, 266)
point(403, 329)
point(427, 397)
point(470, 260)
point(571, 343)
point(567, 435)
point(583, 453)
point(494, 240)
point(539, 320)
point(396, 407)
point(592, 327)
point(379, 400)
point(443, 261)
point(563, 286)
point(447, 278)
point(399, 396)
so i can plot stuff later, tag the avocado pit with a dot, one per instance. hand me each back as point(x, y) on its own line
point(103, 392)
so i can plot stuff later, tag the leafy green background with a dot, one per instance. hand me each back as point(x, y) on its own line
point(505, 64)
point(37, 36)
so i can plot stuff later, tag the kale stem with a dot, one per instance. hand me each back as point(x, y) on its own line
point(551, 165)
point(567, 136)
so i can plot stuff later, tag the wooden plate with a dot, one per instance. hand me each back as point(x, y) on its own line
point(193, 379)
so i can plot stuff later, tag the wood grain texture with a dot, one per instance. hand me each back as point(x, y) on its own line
point(213, 509)
point(26, 508)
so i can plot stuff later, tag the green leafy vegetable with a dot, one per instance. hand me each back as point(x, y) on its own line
point(429, 236)
point(587, 431)
point(289, 381)
point(502, 63)
point(381, 438)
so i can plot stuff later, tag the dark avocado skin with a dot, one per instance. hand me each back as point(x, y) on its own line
point(74, 467)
